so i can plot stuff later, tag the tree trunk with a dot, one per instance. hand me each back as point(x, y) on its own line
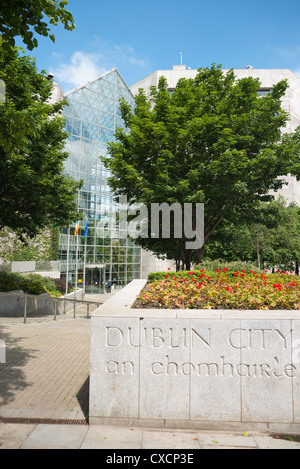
point(200, 254)
point(257, 249)
point(186, 258)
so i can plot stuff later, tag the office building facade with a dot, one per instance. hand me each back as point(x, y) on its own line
point(105, 253)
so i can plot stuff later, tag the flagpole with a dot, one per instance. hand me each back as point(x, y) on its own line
point(84, 264)
point(84, 255)
point(68, 259)
point(76, 266)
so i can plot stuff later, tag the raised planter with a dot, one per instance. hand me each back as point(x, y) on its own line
point(205, 369)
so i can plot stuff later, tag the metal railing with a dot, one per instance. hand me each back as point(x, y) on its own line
point(56, 302)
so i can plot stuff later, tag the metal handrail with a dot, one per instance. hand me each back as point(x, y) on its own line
point(25, 296)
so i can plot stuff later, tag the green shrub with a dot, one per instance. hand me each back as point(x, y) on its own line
point(178, 275)
point(232, 266)
point(60, 284)
point(46, 282)
point(210, 269)
point(33, 284)
point(15, 281)
point(9, 281)
point(56, 293)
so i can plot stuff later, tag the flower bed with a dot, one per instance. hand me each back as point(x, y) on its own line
point(221, 289)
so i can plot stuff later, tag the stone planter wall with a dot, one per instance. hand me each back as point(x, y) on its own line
point(206, 369)
point(39, 305)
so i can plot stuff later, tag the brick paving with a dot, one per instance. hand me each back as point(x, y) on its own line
point(47, 367)
point(46, 371)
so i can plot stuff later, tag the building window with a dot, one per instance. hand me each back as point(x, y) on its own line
point(264, 91)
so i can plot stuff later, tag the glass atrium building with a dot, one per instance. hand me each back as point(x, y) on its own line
point(106, 253)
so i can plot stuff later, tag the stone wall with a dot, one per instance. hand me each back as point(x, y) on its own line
point(224, 369)
point(39, 305)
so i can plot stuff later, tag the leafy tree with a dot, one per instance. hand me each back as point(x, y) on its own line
point(271, 238)
point(26, 17)
point(34, 191)
point(213, 141)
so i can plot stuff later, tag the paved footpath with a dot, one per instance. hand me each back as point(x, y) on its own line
point(43, 436)
point(45, 379)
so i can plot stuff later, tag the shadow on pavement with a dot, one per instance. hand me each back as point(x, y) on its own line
point(12, 376)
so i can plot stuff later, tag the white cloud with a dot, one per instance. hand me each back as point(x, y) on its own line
point(81, 68)
point(86, 66)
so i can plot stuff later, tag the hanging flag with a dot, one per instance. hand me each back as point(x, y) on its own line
point(76, 228)
point(86, 228)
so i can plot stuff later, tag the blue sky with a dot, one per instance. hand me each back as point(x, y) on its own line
point(139, 37)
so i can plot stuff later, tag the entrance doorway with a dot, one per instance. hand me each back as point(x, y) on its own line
point(95, 278)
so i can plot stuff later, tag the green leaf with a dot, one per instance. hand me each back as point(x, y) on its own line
point(213, 141)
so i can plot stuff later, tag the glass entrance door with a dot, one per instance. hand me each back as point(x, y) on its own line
point(94, 280)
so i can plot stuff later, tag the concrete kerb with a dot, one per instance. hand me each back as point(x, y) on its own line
point(269, 356)
point(41, 436)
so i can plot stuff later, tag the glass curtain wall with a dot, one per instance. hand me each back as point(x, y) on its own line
point(106, 253)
